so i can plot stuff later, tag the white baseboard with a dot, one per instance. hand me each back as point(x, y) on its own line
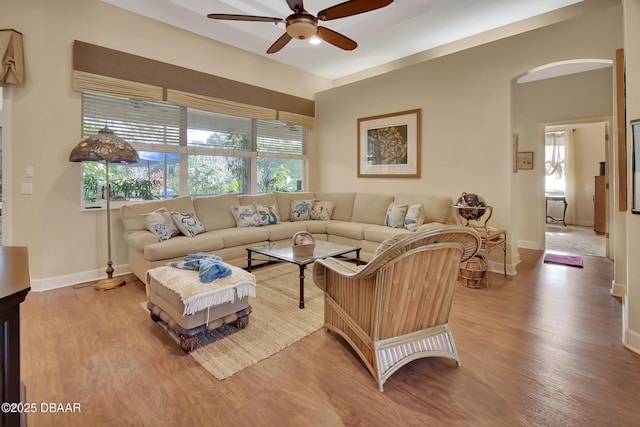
point(630, 338)
point(585, 223)
point(632, 341)
point(498, 267)
point(40, 285)
point(527, 244)
point(618, 289)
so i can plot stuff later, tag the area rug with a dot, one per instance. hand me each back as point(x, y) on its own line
point(576, 240)
point(570, 260)
point(275, 323)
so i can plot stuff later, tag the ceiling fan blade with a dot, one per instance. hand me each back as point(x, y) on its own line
point(336, 39)
point(231, 17)
point(350, 8)
point(280, 43)
point(296, 5)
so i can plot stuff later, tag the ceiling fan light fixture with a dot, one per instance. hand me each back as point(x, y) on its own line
point(302, 28)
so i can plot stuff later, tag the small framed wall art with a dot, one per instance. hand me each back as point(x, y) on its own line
point(389, 145)
point(525, 160)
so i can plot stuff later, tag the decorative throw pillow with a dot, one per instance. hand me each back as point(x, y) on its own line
point(415, 217)
point(159, 222)
point(267, 214)
point(395, 215)
point(188, 223)
point(245, 216)
point(322, 210)
point(300, 210)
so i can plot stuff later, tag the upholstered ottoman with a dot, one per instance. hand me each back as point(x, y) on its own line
point(190, 308)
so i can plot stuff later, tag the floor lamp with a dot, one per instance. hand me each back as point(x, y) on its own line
point(106, 147)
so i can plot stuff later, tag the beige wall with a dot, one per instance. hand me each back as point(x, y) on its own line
point(631, 321)
point(574, 99)
point(45, 122)
point(466, 108)
point(590, 149)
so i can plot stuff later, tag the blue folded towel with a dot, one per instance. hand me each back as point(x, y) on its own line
point(210, 271)
point(209, 267)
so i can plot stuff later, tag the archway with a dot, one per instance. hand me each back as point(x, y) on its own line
point(570, 92)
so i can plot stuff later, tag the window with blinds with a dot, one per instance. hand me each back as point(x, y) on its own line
point(142, 122)
point(186, 151)
point(279, 137)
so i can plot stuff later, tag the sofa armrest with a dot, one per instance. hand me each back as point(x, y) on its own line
point(430, 226)
point(139, 239)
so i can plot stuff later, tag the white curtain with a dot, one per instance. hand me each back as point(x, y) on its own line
point(560, 172)
point(570, 179)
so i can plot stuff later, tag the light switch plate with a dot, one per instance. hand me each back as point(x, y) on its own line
point(27, 188)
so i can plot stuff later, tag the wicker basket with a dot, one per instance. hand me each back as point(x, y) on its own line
point(472, 272)
point(303, 244)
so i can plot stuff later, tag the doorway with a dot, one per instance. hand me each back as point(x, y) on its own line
point(575, 155)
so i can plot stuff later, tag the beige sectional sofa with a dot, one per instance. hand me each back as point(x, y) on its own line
point(357, 219)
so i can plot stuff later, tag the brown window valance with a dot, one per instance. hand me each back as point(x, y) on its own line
point(103, 70)
point(12, 56)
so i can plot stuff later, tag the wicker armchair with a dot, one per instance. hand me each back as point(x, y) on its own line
point(396, 308)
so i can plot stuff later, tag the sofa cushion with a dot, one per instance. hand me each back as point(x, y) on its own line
point(243, 236)
point(318, 226)
point(436, 208)
point(160, 223)
point(285, 230)
point(370, 208)
point(181, 246)
point(380, 233)
point(395, 215)
point(344, 204)
point(245, 216)
point(428, 226)
point(387, 243)
point(351, 230)
point(261, 199)
point(188, 223)
point(284, 201)
point(132, 214)
point(215, 211)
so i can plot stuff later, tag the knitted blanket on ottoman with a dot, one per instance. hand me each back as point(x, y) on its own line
point(196, 295)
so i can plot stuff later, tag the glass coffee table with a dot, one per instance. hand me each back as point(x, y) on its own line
point(282, 251)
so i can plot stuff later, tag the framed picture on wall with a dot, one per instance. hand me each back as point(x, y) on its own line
point(389, 145)
point(525, 160)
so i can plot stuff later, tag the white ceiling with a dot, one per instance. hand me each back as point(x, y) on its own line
point(403, 28)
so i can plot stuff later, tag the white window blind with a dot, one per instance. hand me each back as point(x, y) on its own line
point(218, 130)
point(143, 122)
point(279, 137)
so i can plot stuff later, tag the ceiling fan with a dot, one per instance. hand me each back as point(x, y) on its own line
point(302, 25)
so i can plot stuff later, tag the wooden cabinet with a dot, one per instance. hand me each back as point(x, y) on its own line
point(14, 286)
point(600, 206)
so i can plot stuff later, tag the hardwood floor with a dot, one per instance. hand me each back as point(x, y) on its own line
point(542, 348)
